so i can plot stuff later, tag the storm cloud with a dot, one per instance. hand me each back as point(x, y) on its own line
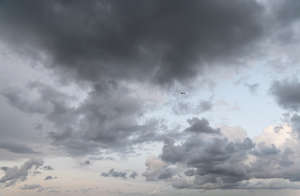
point(160, 41)
point(287, 94)
point(106, 72)
point(112, 44)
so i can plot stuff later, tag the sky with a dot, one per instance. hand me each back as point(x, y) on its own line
point(149, 98)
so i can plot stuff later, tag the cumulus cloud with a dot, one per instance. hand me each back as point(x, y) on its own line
point(212, 161)
point(12, 175)
point(107, 119)
point(157, 170)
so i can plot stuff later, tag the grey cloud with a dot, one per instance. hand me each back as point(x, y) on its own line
point(278, 128)
point(50, 178)
point(133, 175)
point(102, 158)
point(162, 173)
point(119, 174)
point(252, 87)
point(107, 119)
point(166, 173)
point(295, 123)
point(200, 126)
point(166, 41)
point(211, 161)
point(12, 175)
point(87, 162)
point(47, 167)
point(183, 108)
point(287, 11)
point(113, 173)
point(263, 150)
point(205, 106)
point(22, 101)
point(16, 148)
point(18, 138)
point(158, 170)
point(36, 187)
point(283, 17)
point(106, 45)
point(287, 94)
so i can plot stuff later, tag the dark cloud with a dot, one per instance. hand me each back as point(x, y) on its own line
point(18, 138)
point(295, 123)
point(36, 187)
point(201, 126)
point(287, 94)
point(16, 148)
point(96, 158)
point(183, 108)
point(162, 173)
point(107, 119)
point(264, 150)
point(133, 175)
point(87, 162)
point(50, 178)
point(205, 106)
point(47, 167)
point(162, 41)
point(108, 44)
point(119, 174)
point(287, 11)
point(158, 170)
point(12, 175)
point(23, 101)
point(211, 161)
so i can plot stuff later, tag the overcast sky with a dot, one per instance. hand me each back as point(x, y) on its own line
point(149, 98)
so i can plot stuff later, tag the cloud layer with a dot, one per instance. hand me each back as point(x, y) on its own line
point(161, 41)
point(113, 67)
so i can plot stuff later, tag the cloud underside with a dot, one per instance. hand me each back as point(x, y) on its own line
point(159, 41)
point(107, 47)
